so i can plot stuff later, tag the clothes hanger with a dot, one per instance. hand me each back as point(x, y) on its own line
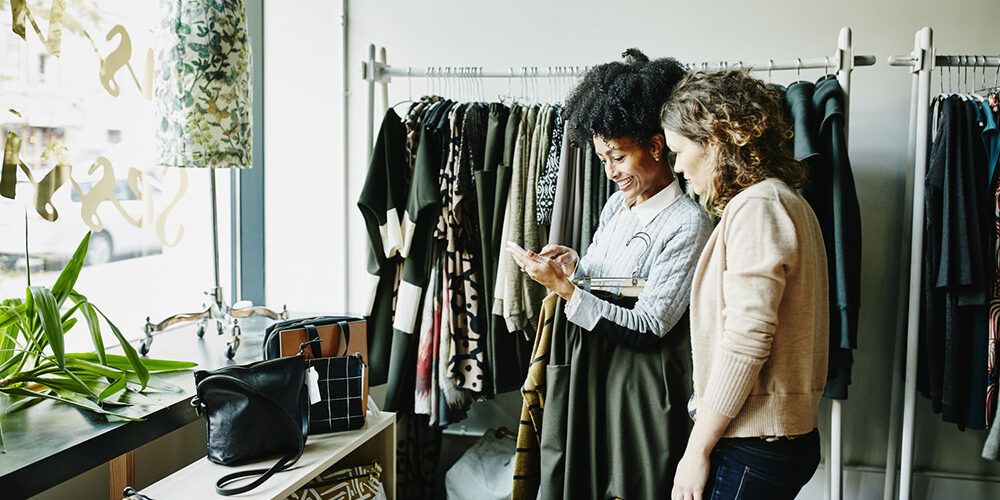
point(409, 89)
point(630, 286)
point(482, 85)
point(986, 87)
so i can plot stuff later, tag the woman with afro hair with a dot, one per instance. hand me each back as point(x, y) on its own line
point(640, 346)
point(759, 302)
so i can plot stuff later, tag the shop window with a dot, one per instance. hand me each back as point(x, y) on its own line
point(151, 246)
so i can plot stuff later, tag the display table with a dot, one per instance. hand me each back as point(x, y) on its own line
point(375, 441)
point(51, 442)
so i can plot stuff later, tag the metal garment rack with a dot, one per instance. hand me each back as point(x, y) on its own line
point(842, 63)
point(922, 62)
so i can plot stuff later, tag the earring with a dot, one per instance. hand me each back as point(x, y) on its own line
point(656, 157)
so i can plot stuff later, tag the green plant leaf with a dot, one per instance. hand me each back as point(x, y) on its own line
point(48, 313)
point(7, 336)
point(77, 360)
point(7, 365)
point(133, 357)
point(87, 390)
point(69, 324)
point(122, 363)
point(58, 381)
point(67, 278)
point(94, 325)
point(115, 388)
point(68, 398)
point(21, 404)
point(90, 405)
point(158, 384)
point(29, 313)
point(130, 397)
point(8, 317)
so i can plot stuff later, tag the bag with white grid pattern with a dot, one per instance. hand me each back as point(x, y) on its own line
point(337, 383)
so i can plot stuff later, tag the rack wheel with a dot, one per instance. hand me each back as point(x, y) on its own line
point(144, 348)
point(230, 350)
point(201, 331)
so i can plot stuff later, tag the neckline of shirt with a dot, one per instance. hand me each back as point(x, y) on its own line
point(649, 209)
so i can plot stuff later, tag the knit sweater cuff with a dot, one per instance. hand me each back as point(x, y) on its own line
point(729, 383)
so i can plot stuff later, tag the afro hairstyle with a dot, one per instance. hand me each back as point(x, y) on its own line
point(622, 99)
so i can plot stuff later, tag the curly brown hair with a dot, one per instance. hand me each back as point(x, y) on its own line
point(739, 120)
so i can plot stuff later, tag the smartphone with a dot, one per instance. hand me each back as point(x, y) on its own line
point(517, 248)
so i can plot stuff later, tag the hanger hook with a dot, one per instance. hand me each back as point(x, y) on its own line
point(770, 66)
point(826, 64)
point(986, 62)
point(643, 237)
point(996, 79)
point(798, 67)
point(409, 82)
point(964, 71)
point(538, 84)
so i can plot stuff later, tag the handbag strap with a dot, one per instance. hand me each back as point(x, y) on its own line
point(282, 463)
point(314, 340)
point(345, 329)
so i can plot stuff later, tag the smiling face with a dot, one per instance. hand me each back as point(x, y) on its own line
point(638, 171)
point(691, 160)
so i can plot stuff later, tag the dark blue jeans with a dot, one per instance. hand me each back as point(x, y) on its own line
point(752, 468)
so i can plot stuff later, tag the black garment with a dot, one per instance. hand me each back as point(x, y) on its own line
point(799, 105)
point(424, 202)
point(418, 451)
point(817, 113)
point(616, 422)
point(385, 188)
point(954, 278)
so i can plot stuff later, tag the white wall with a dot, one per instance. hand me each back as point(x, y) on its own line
point(303, 130)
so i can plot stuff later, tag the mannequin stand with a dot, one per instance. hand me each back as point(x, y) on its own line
point(224, 315)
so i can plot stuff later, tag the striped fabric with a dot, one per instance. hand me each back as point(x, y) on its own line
point(527, 463)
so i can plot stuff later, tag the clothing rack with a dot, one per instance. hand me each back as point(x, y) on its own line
point(922, 62)
point(842, 62)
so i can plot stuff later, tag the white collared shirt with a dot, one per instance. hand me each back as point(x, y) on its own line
point(647, 210)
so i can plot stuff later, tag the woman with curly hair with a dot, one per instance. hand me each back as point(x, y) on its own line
point(759, 316)
point(635, 351)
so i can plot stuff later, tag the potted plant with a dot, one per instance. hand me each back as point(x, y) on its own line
point(34, 365)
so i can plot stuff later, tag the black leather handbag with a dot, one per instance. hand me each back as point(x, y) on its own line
point(253, 411)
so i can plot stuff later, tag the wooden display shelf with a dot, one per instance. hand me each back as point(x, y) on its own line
point(375, 441)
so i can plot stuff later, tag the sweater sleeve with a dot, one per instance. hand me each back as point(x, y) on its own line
point(662, 301)
point(760, 240)
point(586, 264)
